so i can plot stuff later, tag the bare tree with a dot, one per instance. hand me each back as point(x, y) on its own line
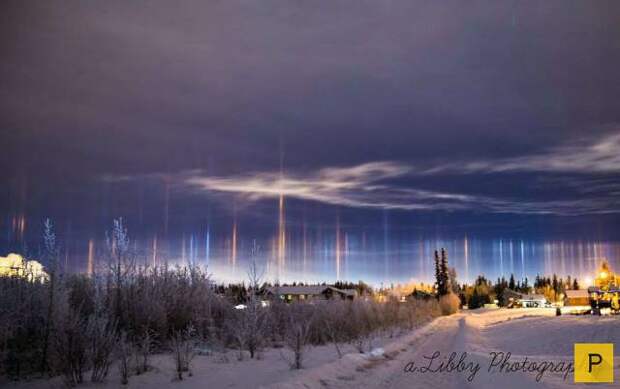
point(70, 346)
point(237, 327)
point(254, 312)
point(51, 255)
point(365, 321)
point(300, 320)
point(183, 350)
point(335, 323)
point(248, 325)
point(144, 349)
point(102, 339)
point(124, 352)
point(122, 262)
point(389, 316)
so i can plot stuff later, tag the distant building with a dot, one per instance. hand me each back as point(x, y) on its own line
point(310, 292)
point(419, 295)
point(576, 298)
point(514, 299)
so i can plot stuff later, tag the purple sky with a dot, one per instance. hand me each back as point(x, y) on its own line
point(495, 119)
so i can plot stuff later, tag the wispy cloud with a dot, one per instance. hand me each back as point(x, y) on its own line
point(591, 156)
point(396, 185)
point(369, 186)
point(363, 185)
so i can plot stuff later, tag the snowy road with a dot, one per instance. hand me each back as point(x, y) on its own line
point(533, 334)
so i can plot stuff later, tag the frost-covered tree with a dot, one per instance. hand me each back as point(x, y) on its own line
point(50, 255)
point(249, 324)
point(254, 312)
point(122, 263)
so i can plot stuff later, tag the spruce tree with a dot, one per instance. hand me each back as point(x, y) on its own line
point(441, 273)
point(554, 283)
point(437, 274)
point(474, 301)
point(444, 272)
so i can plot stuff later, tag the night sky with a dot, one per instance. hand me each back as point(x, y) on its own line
point(375, 121)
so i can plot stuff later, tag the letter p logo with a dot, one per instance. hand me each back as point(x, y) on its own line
point(594, 362)
point(591, 358)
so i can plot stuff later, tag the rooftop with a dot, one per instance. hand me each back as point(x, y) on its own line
point(309, 289)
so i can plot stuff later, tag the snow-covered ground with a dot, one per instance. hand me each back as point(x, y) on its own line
point(222, 370)
point(533, 333)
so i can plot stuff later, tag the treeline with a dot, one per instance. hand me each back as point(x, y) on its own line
point(484, 291)
point(79, 326)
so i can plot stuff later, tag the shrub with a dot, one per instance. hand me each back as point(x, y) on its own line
point(70, 347)
point(449, 304)
point(183, 350)
point(300, 320)
point(101, 335)
point(124, 352)
point(144, 349)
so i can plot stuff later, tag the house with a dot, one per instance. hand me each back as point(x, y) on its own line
point(576, 298)
point(514, 299)
point(419, 295)
point(310, 292)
